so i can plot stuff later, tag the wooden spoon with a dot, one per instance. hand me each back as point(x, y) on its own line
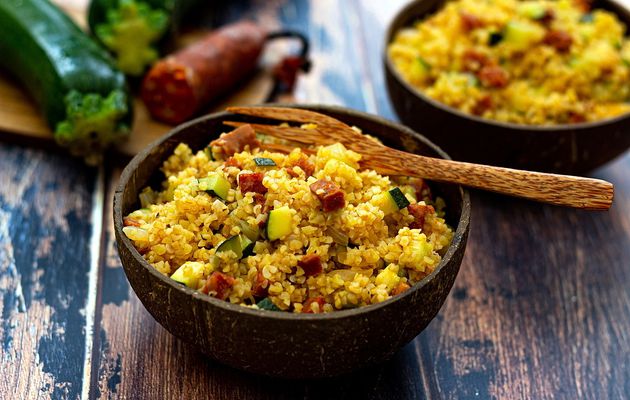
point(563, 190)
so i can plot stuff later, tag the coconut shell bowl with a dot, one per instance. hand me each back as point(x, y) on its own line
point(283, 344)
point(568, 149)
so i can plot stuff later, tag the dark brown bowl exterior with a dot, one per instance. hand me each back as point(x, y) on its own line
point(570, 149)
point(285, 344)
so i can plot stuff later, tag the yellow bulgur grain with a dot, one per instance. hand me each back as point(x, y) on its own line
point(537, 62)
point(368, 255)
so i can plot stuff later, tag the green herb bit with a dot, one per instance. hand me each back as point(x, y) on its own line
point(264, 162)
point(267, 304)
point(587, 18)
point(424, 63)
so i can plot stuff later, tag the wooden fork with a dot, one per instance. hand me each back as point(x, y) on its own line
point(564, 190)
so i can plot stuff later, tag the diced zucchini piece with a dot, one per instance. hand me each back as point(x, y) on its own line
point(239, 244)
point(215, 184)
point(473, 81)
point(587, 18)
point(251, 233)
point(189, 273)
point(521, 35)
point(247, 246)
point(232, 243)
point(532, 10)
point(208, 151)
point(391, 201)
point(385, 203)
point(279, 223)
point(399, 198)
point(409, 191)
point(264, 162)
point(267, 304)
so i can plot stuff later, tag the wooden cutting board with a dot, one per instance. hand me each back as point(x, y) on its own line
point(20, 116)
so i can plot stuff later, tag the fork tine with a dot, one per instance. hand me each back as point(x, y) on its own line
point(304, 136)
point(290, 114)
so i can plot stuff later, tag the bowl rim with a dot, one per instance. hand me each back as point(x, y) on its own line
point(122, 240)
point(407, 12)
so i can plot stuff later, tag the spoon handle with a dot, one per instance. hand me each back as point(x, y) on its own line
point(562, 190)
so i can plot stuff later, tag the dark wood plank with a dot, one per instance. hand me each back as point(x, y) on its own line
point(45, 231)
point(541, 306)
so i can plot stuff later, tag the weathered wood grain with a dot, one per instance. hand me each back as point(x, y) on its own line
point(540, 305)
point(45, 229)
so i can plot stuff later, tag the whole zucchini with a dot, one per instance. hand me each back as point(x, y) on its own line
point(82, 95)
point(132, 30)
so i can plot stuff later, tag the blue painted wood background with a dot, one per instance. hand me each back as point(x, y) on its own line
point(541, 308)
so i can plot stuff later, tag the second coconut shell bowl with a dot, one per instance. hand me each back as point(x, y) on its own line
point(568, 149)
point(284, 344)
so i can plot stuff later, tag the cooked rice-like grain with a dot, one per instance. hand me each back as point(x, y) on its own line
point(182, 223)
point(582, 75)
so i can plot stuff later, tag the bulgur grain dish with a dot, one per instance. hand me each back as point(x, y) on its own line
point(305, 232)
point(526, 62)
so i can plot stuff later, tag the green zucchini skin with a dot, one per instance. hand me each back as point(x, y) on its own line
point(50, 55)
point(175, 10)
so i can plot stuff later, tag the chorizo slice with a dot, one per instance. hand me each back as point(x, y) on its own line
point(260, 288)
point(218, 285)
point(560, 40)
point(470, 21)
point(419, 213)
point(304, 164)
point(235, 141)
point(473, 61)
point(330, 195)
point(309, 305)
point(311, 264)
point(493, 76)
point(232, 162)
point(252, 182)
point(482, 105)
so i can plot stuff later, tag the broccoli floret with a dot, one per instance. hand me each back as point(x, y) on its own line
point(93, 123)
point(131, 32)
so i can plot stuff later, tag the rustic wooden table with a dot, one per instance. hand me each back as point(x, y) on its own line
point(540, 309)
